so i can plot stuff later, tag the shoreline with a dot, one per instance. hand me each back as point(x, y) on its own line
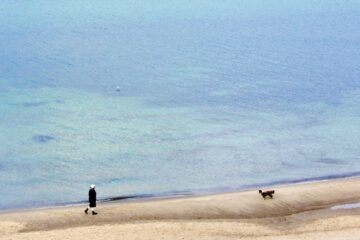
point(185, 194)
point(295, 210)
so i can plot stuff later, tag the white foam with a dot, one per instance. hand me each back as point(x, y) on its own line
point(346, 206)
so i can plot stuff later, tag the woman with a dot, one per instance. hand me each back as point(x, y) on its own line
point(92, 200)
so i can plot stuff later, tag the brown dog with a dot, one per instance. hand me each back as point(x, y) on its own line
point(267, 193)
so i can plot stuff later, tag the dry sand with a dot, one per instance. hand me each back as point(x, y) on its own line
point(299, 211)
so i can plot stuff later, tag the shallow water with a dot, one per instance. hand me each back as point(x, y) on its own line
point(346, 206)
point(212, 96)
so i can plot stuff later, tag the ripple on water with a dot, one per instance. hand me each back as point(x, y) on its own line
point(42, 138)
point(34, 104)
point(330, 161)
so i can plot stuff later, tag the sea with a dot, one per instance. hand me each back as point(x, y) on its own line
point(176, 97)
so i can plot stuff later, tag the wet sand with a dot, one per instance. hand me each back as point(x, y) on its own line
point(300, 211)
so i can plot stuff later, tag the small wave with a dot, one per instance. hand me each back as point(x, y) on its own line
point(119, 198)
point(330, 161)
point(147, 196)
point(310, 179)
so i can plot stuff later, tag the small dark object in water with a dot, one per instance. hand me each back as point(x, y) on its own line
point(267, 193)
point(42, 138)
point(34, 104)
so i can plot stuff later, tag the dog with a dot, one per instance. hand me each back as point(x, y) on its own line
point(267, 193)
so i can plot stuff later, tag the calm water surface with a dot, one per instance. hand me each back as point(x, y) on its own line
point(220, 95)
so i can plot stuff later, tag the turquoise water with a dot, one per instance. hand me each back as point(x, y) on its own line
point(220, 95)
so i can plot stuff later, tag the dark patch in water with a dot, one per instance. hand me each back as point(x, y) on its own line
point(42, 138)
point(33, 104)
point(59, 101)
point(288, 164)
point(312, 122)
point(329, 161)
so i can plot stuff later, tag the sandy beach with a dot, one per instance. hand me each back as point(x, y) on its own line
point(300, 211)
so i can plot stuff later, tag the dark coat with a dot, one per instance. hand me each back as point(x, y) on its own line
point(92, 197)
